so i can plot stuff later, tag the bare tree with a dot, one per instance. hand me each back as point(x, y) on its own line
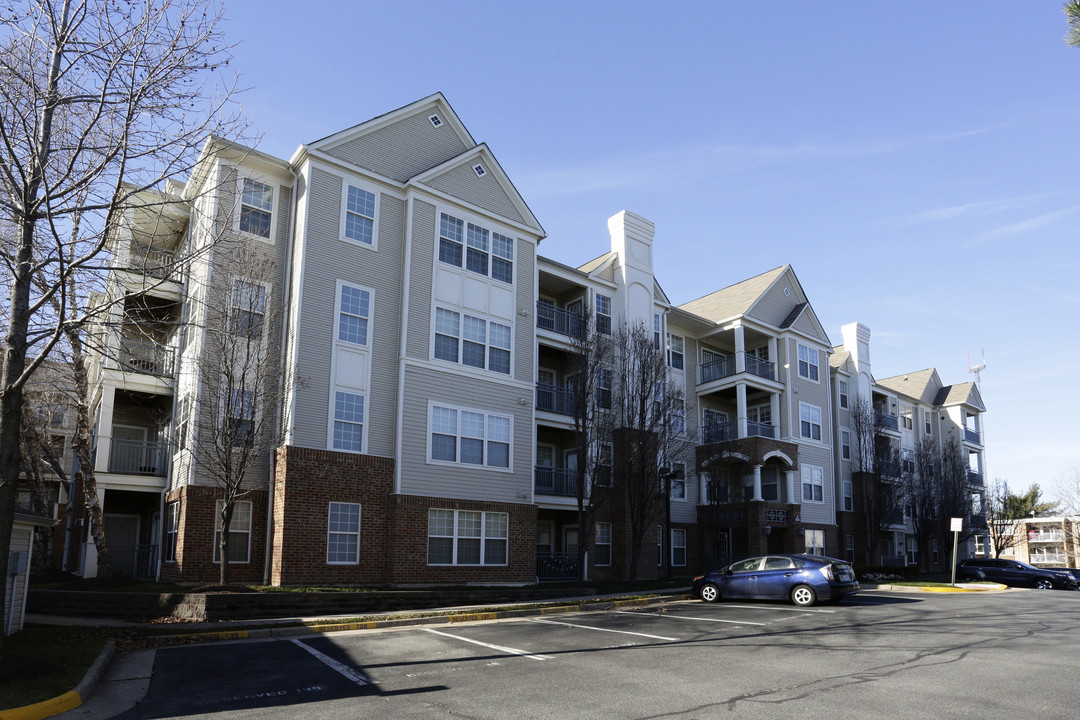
point(99, 101)
point(955, 494)
point(880, 493)
point(921, 496)
point(647, 421)
point(1001, 528)
point(241, 391)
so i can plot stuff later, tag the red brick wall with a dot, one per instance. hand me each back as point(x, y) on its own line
point(195, 538)
point(306, 482)
point(408, 550)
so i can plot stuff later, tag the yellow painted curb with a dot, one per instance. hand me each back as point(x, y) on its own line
point(344, 626)
point(472, 617)
point(45, 708)
point(223, 635)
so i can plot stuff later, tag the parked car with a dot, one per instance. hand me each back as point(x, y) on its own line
point(1075, 572)
point(1014, 573)
point(803, 579)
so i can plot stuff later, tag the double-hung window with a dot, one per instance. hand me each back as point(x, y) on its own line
point(348, 421)
point(472, 341)
point(172, 528)
point(927, 422)
point(809, 421)
point(603, 543)
point(247, 308)
point(477, 254)
point(843, 393)
point(813, 484)
point(343, 534)
point(678, 547)
point(359, 225)
point(239, 532)
point(451, 240)
point(678, 481)
point(845, 444)
point(603, 388)
point(603, 314)
point(678, 416)
point(467, 537)
point(476, 248)
point(676, 357)
point(849, 499)
point(502, 258)
point(815, 542)
point(808, 363)
point(354, 313)
point(470, 437)
point(256, 208)
point(907, 421)
point(240, 418)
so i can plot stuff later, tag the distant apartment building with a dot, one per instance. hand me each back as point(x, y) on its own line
point(1045, 541)
point(423, 432)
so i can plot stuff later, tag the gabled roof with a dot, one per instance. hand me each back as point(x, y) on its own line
point(734, 300)
point(794, 315)
point(839, 357)
point(962, 394)
point(922, 385)
point(597, 263)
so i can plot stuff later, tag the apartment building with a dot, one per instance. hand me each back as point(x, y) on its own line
point(910, 420)
point(1046, 541)
point(422, 430)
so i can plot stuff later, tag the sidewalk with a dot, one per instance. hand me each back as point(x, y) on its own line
point(117, 681)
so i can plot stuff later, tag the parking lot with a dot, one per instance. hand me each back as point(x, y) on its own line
point(939, 656)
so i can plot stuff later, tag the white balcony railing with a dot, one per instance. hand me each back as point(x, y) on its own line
point(1048, 558)
point(1046, 536)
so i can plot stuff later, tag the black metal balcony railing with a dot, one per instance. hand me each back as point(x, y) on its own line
point(564, 322)
point(555, 481)
point(887, 421)
point(717, 369)
point(135, 457)
point(552, 398)
point(759, 367)
point(146, 357)
point(719, 432)
point(146, 561)
point(972, 436)
point(889, 469)
point(556, 566)
point(757, 429)
point(155, 263)
point(974, 478)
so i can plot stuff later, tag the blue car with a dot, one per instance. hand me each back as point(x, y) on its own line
point(803, 579)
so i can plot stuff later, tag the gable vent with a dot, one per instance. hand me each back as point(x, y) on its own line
point(436, 121)
point(479, 170)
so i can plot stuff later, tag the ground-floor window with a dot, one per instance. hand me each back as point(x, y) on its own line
point(934, 552)
point(603, 543)
point(912, 546)
point(678, 548)
point(172, 528)
point(239, 532)
point(849, 548)
point(815, 542)
point(659, 545)
point(343, 534)
point(467, 537)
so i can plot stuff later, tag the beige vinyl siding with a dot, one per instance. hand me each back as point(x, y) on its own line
point(486, 192)
point(402, 149)
point(814, 512)
point(806, 324)
point(524, 326)
point(421, 271)
point(418, 477)
point(328, 259)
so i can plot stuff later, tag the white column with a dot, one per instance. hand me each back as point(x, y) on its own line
point(757, 483)
point(774, 358)
point(104, 428)
point(774, 411)
point(789, 483)
point(740, 349)
point(740, 403)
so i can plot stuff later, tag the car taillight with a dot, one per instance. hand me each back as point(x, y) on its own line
point(827, 572)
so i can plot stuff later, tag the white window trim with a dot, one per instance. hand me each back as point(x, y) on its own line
point(268, 290)
point(243, 174)
point(351, 347)
point(609, 544)
point(597, 314)
point(812, 549)
point(843, 394)
point(682, 465)
point(458, 463)
point(485, 371)
point(337, 314)
point(233, 531)
point(676, 532)
point(845, 442)
point(806, 477)
point(359, 185)
point(817, 363)
point(820, 423)
point(483, 538)
point(671, 351)
point(172, 530)
point(359, 526)
point(334, 390)
point(485, 224)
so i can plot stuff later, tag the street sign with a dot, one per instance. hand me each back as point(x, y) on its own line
point(956, 524)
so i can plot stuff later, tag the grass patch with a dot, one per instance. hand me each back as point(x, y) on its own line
point(40, 662)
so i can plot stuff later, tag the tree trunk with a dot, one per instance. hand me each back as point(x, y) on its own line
point(81, 445)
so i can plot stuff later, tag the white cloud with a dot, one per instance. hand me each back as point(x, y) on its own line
point(1023, 227)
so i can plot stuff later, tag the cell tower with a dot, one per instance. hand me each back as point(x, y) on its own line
point(976, 370)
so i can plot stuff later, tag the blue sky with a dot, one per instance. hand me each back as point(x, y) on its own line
point(914, 162)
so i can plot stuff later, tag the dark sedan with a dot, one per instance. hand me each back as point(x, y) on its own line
point(803, 579)
point(1014, 573)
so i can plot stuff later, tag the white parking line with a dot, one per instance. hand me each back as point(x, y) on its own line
point(342, 668)
point(683, 617)
point(778, 608)
point(500, 648)
point(600, 629)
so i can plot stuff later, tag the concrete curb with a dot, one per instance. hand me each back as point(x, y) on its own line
point(959, 588)
point(72, 698)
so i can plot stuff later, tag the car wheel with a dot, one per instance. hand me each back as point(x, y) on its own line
point(803, 595)
point(710, 593)
point(1043, 584)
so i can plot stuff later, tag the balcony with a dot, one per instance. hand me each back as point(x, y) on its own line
point(559, 482)
point(553, 399)
point(972, 436)
point(724, 367)
point(1046, 536)
point(975, 478)
point(134, 457)
point(146, 357)
point(154, 263)
point(887, 420)
point(1048, 558)
point(556, 566)
point(563, 322)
